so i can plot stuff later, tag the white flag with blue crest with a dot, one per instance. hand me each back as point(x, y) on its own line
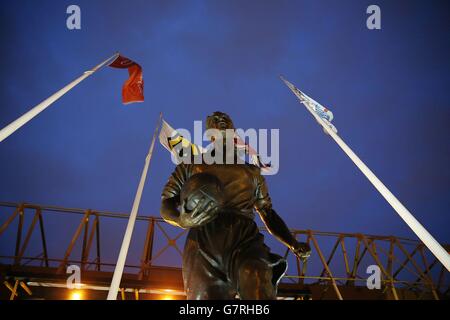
point(324, 113)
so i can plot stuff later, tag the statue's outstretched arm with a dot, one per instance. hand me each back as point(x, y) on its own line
point(275, 224)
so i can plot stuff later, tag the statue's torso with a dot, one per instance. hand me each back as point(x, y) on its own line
point(239, 184)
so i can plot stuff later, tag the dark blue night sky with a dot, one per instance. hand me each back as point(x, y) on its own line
point(389, 90)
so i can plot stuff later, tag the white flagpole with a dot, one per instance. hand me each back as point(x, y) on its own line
point(117, 276)
point(440, 253)
point(19, 122)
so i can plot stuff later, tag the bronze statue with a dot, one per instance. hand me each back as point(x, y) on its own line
point(224, 254)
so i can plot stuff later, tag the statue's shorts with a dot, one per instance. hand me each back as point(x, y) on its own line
point(227, 258)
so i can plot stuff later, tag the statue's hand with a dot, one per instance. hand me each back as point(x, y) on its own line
point(205, 211)
point(302, 250)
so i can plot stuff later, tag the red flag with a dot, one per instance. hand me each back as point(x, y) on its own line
point(133, 88)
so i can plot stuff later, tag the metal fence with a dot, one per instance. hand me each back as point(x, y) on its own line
point(338, 263)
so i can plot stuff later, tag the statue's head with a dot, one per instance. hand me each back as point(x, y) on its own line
point(219, 126)
point(219, 120)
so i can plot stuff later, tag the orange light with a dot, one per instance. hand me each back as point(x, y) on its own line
point(76, 295)
point(167, 297)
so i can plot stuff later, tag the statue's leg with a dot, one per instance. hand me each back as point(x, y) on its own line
point(255, 280)
point(210, 292)
point(203, 276)
point(205, 282)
